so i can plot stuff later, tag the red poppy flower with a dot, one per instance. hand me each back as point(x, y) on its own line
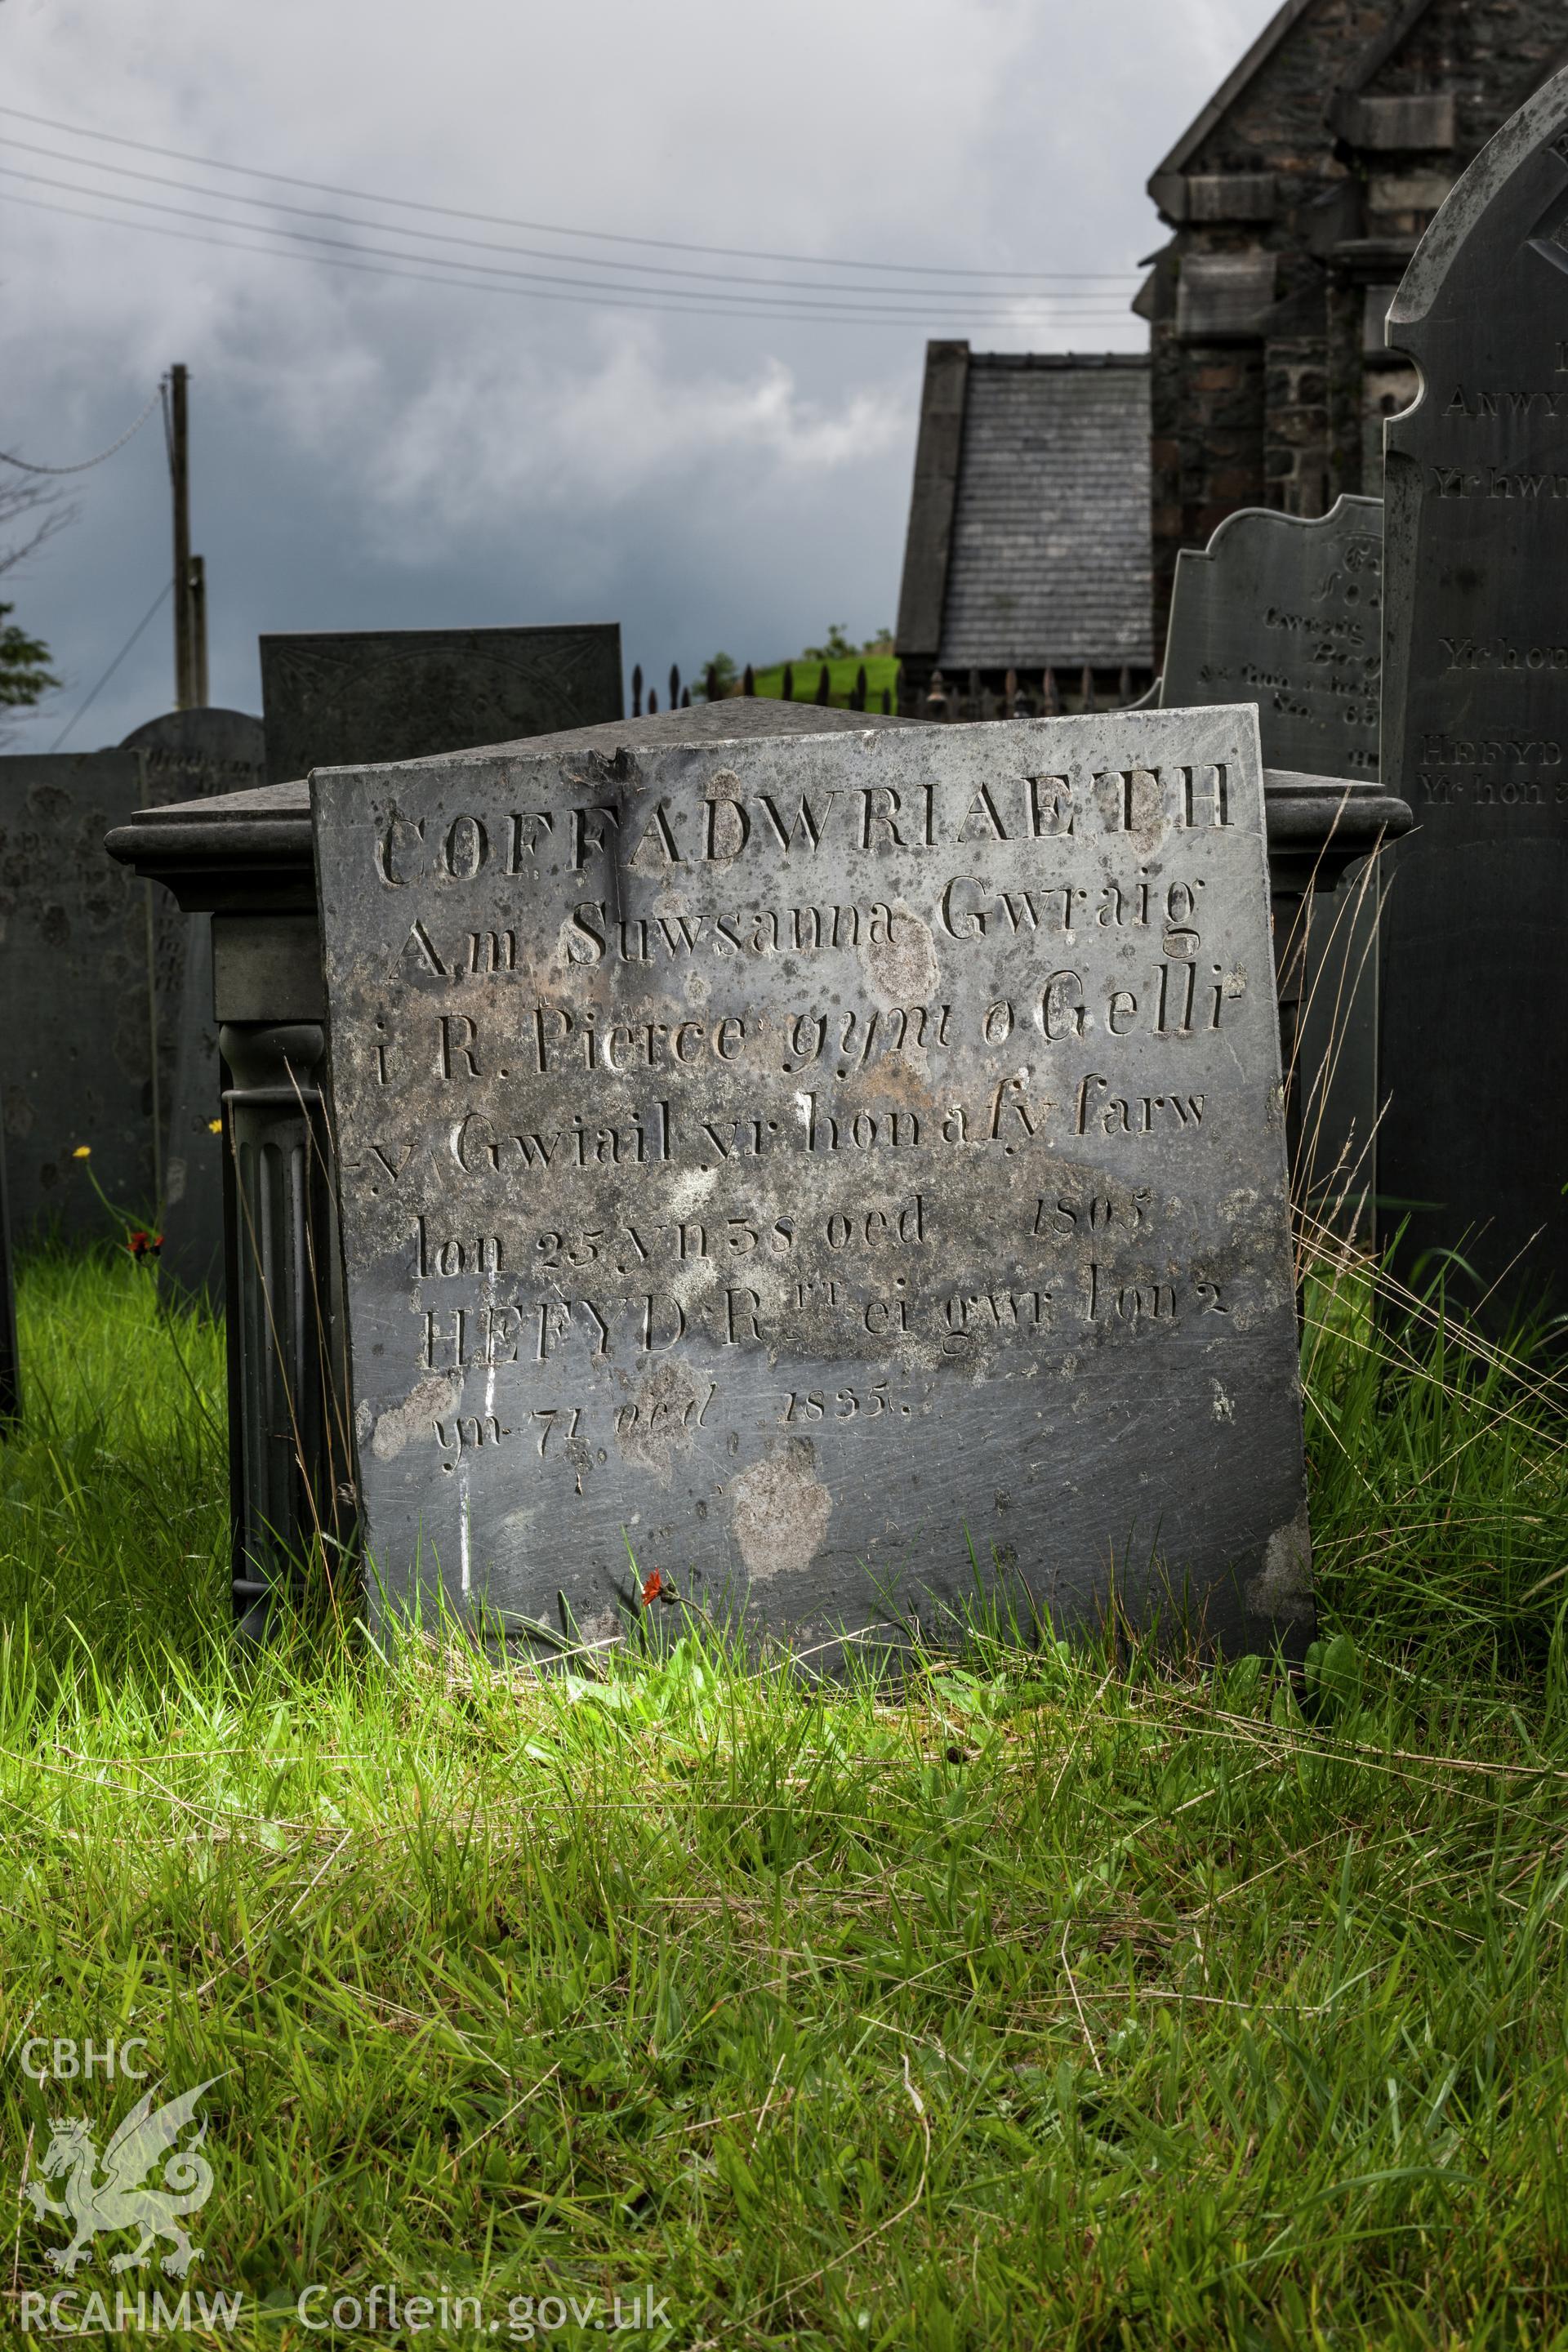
point(143, 1245)
point(653, 1588)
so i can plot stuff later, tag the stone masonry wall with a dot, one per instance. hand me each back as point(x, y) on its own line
point(1282, 408)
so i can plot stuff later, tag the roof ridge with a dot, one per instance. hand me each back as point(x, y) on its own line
point(1229, 90)
point(1063, 360)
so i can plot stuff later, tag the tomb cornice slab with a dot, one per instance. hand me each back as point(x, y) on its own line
point(247, 850)
point(1319, 826)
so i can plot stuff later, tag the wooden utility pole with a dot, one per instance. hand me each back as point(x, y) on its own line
point(198, 601)
point(190, 573)
point(180, 481)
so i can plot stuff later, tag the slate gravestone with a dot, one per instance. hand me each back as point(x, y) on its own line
point(10, 1361)
point(192, 1182)
point(1287, 613)
point(76, 979)
point(190, 755)
point(193, 755)
point(1288, 610)
point(1474, 1046)
point(825, 1168)
point(400, 694)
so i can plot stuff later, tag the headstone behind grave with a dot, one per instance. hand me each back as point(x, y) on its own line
point(193, 755)
point(192, 1182)
point(76, 978)
point(10, 1361)
point(1287, 613)
point(1290, 611)
point(828, 1170)
point(400, 694)
point(1474, 1046)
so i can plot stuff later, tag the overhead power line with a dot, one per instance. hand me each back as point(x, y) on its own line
point(87, 464)
point(547, 228)
point(113, 666)
point(488, 245)
point(548, 290)
point(917, 304)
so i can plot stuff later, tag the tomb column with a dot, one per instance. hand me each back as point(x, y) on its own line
point(1318, 828)
point(292, 1463)
point(245, 858)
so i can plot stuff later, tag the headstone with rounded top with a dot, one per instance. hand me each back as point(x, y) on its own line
point(1474, 1046)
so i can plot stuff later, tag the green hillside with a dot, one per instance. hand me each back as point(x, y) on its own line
point(881, 671)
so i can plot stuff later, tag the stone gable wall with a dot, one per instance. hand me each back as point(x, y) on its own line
point(1267, 376)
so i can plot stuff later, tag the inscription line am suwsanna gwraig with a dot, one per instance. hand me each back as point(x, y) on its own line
point(808, 1162)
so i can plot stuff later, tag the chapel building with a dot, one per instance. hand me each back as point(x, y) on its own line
point(1294, 201)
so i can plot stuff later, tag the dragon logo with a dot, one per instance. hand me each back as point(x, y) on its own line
point(119, 2200)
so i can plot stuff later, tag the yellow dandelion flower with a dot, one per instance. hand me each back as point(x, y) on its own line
point(215, 1127)
point(82, 1151)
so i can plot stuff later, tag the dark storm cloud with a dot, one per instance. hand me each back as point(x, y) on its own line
point(372, 451)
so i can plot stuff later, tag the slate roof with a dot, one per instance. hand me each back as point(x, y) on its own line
point(1049, 558)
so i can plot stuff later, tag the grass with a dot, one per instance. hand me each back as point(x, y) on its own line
point(1079, 2000)
point(114, 1516)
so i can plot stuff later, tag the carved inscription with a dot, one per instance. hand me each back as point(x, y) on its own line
point(1476, 719)
point(1499, 655)
point(1534, 406)
point(1287, 613)
point(1497, 482)
point(1501, 771)
point(744, 1153)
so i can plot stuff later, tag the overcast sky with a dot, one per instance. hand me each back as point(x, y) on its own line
point(373, 451)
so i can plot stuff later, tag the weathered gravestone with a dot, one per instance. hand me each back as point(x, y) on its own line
point(1289, 611)
point(826, 1170)
point(191, 755)
point(400, 694)
point(77, 1046)
point(10, 1361)
point(1474, 1046)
